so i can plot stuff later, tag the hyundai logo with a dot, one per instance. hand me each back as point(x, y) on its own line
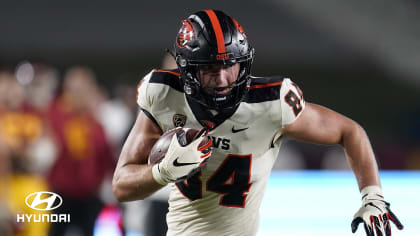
point(37, 202)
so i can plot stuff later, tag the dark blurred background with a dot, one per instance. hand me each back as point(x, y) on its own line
point(359, 58)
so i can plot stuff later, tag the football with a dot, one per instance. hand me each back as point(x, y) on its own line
point(185, 137)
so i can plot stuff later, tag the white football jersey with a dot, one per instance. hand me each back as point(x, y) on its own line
point(225, 196)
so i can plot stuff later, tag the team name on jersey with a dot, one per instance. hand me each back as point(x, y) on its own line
point(222, 143)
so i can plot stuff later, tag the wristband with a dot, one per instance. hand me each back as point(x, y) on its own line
point(157, 176)
point(372, 189)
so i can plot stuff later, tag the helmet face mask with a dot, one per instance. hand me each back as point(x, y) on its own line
point(208, 38)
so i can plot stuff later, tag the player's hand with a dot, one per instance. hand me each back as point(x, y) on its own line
point(182, 160)
point(374, 213)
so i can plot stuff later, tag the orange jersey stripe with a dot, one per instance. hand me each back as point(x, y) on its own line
point(217, 30)
point(266, 85)
point(168, 71)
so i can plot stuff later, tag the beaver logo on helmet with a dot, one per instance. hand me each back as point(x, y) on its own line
point(186, 34)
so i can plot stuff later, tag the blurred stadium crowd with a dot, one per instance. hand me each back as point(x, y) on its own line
point(61, 136)
point(61, 131)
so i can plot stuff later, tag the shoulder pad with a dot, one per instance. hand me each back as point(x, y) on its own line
point(168, 77)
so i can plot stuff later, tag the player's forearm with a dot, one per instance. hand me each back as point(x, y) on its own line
point(134, 182)
point(360, 155)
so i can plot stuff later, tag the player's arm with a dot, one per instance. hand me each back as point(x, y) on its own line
point(133, 178)
point(320, 125)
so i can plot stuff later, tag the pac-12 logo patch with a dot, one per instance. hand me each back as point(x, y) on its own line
point(186, 34)
point(179, 120)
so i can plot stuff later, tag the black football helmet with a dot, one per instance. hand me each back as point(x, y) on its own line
point(212, 37)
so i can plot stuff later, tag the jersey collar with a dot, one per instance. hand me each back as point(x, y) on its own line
point(202, 114)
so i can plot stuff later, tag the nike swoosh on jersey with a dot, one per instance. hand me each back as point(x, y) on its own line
point(238, 130)
point(176, 163)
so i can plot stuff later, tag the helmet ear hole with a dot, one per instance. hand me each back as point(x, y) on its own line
point(181, 61)
point(188, 90)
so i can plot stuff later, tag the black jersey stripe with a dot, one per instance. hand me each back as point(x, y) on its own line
point(168, 77)
point(264, 89)
point(265, 80)
point(263, 94)
point(150, 116)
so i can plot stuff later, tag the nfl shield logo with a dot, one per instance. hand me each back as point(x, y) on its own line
point(179, 120)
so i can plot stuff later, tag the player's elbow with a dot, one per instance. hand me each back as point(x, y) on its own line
point(118, 190)
point(351, 131)
point(124, 193)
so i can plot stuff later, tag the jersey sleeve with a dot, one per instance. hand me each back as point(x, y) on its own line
point(292, 102)
point(143, 100)
point(148, 98)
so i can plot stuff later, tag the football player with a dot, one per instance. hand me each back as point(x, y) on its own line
point(247, 118)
